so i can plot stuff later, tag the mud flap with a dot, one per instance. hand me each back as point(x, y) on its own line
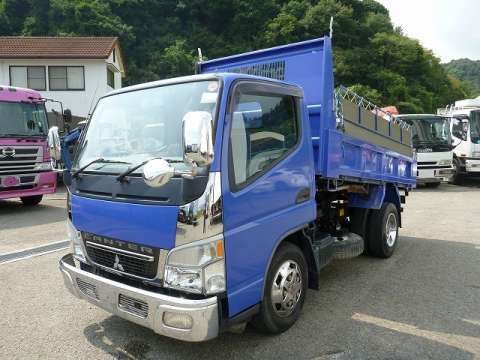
point(323, 249)
point(348, 246)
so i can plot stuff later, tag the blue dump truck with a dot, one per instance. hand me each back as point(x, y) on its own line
point(201, 203)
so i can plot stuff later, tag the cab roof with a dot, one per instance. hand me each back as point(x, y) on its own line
point(225, 77)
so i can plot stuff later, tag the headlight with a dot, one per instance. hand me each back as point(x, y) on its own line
point(75, 241)
point(197, 268)
point(43, 166)
point(445, 162)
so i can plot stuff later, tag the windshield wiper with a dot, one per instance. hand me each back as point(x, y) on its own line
point(127, 172)
point(99, 160)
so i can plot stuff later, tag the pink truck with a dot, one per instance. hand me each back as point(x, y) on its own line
point(25, 167)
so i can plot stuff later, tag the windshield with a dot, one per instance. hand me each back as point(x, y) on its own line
point(139, 125)
point(22, 119)
point(475, 127)
point(432, 130)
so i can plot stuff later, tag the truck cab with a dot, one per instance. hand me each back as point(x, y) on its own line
point(465, 127)
point(25, 168)
point(432, 142)
point(200, 203)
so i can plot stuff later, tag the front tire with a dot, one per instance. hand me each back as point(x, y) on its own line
point(456, 178)
point(284, 291)
point(31, 200)
point(383, 231)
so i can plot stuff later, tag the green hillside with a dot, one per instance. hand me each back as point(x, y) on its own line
point(160, 38)
point(466, 70)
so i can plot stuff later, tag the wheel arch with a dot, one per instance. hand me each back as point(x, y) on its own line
point(392, 195)
point(298, 238)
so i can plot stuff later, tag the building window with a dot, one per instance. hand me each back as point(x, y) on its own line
point(111, 78)
point(32, 77)
point(66, 77)
point(113, 54)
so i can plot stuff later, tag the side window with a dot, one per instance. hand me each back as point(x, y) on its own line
point(264, 130)
point(457, 128)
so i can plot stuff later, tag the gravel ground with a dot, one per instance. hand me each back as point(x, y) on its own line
point(423, 303)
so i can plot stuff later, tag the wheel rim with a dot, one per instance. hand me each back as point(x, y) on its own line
point(391, 229)
point(286, 288)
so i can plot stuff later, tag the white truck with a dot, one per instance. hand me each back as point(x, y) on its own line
point(432, 141)
point(465, 128)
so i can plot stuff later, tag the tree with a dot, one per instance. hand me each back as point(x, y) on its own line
point(159, 40)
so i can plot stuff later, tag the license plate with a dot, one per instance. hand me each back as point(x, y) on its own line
point(9, 181)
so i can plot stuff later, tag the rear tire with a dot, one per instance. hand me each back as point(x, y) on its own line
point(383, 231)
point(284, 290)
point(31, 200)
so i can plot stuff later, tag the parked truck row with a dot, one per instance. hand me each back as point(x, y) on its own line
point(464, 118)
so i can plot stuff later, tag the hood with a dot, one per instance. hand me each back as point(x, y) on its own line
point(149, 225)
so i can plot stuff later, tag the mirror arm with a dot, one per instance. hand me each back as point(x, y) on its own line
point(188, 174)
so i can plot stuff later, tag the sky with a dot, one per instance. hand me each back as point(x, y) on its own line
point(450, 28)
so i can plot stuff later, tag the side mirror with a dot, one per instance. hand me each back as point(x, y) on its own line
point(54, 146)
point(198, 138)
point(67, 116)
point(157, 172)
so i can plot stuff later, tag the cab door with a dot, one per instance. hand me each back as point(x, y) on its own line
point(267, 181)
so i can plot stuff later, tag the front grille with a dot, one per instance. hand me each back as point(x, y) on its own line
point(87, 288)
point(420, 163)
point(27, 179)
point(133, 306)
point(119, 259)
point(15, 159)
point(434, 167)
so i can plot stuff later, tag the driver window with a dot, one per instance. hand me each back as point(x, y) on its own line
point(264, 130)
point(457, 128)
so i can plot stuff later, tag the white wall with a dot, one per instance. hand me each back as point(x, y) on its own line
point(79, 102)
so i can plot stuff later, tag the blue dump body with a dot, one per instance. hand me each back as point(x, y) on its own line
point(309, 65)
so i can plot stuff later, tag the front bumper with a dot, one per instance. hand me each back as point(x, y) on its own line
point(426, 176)
point(472, 165)
point(143, 307)
point(47, 184)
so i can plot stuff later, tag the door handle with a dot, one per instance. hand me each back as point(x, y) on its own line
point(302, 196)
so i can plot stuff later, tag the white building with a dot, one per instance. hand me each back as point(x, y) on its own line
point(73, 70)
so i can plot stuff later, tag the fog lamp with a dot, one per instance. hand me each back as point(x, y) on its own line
point(178, 321)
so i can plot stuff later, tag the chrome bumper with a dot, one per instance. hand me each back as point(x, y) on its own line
point(472, 165)
point(428, 175)
point(143, 307)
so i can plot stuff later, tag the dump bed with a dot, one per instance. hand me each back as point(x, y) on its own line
point(352, 139)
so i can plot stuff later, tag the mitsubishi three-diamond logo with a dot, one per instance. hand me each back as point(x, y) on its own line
point(117, 265)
